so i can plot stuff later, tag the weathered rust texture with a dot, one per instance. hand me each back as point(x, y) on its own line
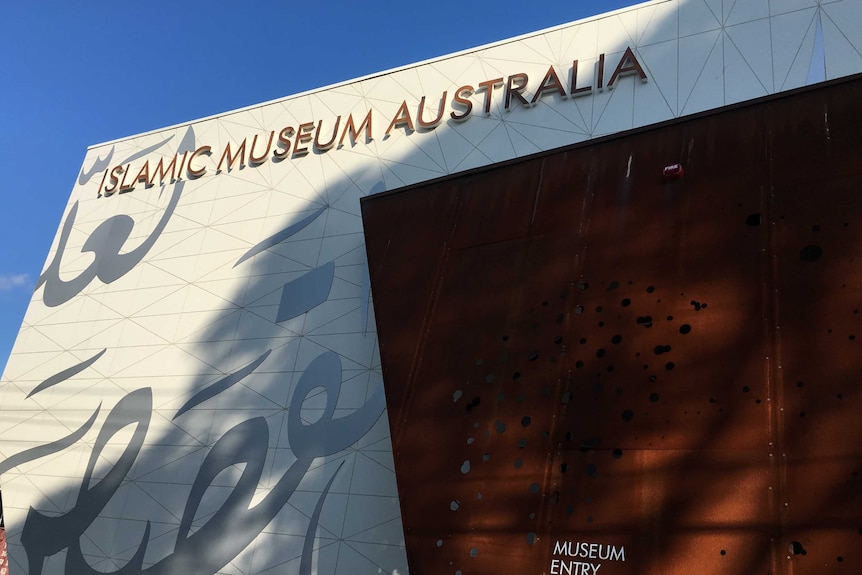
point(575, 350)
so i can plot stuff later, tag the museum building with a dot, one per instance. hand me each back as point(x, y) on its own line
point(584, 301)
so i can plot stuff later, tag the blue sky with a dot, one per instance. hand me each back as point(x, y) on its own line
point(74, 74)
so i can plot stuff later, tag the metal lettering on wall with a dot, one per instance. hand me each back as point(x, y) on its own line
point(616, 372)
point(297, 141)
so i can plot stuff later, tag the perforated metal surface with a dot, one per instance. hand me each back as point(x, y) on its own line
point(578, 351)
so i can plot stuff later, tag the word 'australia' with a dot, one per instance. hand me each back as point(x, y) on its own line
point(319, 137)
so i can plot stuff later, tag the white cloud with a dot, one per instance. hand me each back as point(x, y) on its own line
point(9, 282)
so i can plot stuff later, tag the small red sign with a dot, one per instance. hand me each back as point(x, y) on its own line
point(673, 172)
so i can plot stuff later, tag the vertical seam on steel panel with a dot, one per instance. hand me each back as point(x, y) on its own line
point(429, 313)
point(774, 395)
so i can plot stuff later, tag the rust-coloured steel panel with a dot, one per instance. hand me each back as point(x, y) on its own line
point(4, 560)
point(591, 369)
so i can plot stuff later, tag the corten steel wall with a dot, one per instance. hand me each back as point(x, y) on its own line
point(575, 350)
point(4, 567)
